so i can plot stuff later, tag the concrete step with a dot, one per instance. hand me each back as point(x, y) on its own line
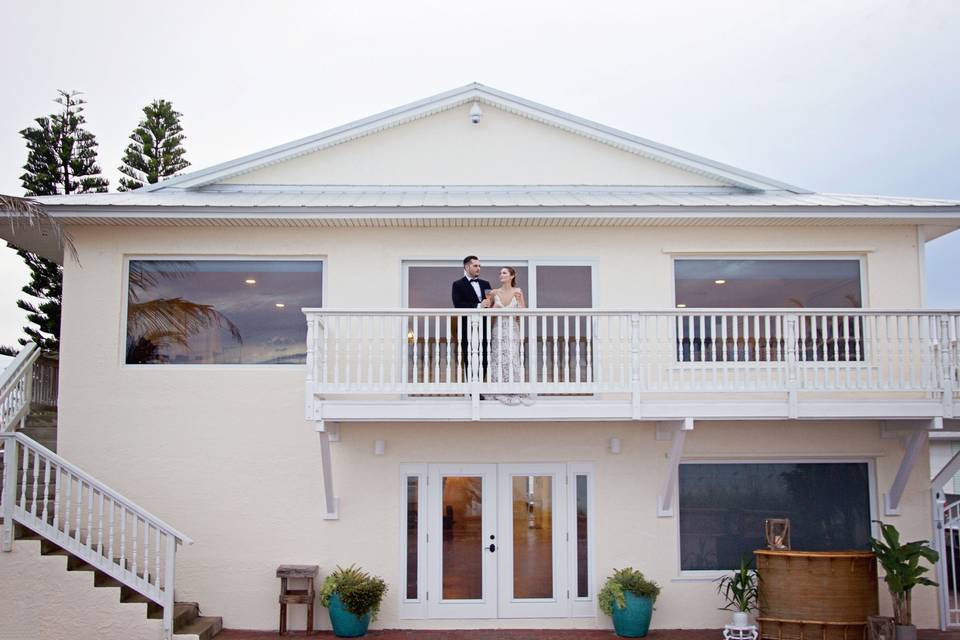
point(206, 627)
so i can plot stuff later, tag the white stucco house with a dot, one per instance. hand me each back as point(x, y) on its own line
point(264, 356)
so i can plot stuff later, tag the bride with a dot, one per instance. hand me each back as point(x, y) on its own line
point(505, 357)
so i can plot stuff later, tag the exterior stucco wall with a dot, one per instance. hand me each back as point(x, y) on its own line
point(446, 148)
point(225, 455)
point(47, 602)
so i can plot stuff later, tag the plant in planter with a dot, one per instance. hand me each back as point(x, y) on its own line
point(739, 589)
point(628, 598)
point(901, 564)
point(353, 598)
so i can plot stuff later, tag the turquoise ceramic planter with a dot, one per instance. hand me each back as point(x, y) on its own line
point(344, 623)
point(633, 621)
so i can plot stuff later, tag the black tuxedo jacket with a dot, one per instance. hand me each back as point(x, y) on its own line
point(464, 297)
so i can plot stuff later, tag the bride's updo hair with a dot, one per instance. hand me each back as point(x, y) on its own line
point(513, 274)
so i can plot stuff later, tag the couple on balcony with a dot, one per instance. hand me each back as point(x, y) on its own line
point(472, 292)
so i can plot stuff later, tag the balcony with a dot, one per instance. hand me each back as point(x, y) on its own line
point(589, 364)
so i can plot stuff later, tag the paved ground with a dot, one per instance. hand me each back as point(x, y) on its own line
point(517, 634)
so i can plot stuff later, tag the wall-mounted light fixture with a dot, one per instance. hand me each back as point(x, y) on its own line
point(614, 445)
point(476, 113)
point(379, 447)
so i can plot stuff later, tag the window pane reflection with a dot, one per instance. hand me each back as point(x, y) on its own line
point(413, 512)
point(583, 589)
point(723, 506)
point(220, 311)
point(463, 538)
point(532, 537)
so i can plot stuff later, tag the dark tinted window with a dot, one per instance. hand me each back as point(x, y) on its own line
point(768, 283)
point(723, 506)
point(220, 311)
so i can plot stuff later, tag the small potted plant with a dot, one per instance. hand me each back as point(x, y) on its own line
point(628, 598)
point(901, 564)
point(739, 589)
point(352, 596)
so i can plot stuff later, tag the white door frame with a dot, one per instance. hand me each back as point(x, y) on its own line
point(486, 606)
point(558, 605)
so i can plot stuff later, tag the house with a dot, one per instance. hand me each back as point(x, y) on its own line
point(264, 356)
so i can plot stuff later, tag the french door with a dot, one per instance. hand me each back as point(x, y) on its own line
point(497, 538)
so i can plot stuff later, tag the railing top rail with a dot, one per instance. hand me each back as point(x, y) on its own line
point(641, 312)
point(130, 504)
point(24, 359)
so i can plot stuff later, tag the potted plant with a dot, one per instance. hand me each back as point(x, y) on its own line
point(352, 596)
point(901, 564)
point(739, 589)
point(628, 598)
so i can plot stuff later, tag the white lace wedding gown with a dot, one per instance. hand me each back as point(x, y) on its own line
point(505, 358)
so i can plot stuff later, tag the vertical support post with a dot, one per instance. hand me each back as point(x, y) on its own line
point(9, 489)
point(946, 369)
point(636, 336)
point(330, 502)
point(793, 380)
point(937, 504)
point(665, 499)
point(311, 368)
point(169, 579)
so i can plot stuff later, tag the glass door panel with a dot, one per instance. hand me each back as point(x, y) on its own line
point(463, 537)
point(532, 563)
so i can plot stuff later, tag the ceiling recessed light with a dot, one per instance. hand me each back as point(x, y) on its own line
point(681, 306)
point(279, 305)
point(250, 281)
point(719, 282)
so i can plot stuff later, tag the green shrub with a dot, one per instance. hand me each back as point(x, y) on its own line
point(623, 580)
point(358, 590)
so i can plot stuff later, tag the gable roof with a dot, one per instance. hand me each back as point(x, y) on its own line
point(476, 92)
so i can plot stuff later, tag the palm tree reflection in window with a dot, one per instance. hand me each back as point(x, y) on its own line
point(157, 325)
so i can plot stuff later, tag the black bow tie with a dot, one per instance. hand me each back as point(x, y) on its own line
point(474, 279)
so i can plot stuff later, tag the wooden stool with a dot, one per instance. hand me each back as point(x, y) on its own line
point(296, 596)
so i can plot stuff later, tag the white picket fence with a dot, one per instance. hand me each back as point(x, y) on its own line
point(581, 351)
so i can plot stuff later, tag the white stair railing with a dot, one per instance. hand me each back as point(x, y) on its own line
point(16, 382)
point(70, 508)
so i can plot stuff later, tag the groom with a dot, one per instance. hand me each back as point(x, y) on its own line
point(468, 293)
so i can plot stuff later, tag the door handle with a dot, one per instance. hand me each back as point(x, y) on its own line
point(492, 548)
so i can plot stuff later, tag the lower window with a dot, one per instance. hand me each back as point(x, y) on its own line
point(723, 507)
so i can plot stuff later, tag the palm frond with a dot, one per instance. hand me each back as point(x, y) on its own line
point(176, 316)
point(29, 213)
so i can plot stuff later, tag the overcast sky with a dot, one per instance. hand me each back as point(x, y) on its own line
point(859, 96)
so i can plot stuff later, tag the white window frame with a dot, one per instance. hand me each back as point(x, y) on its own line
point(416, 609)
point(127, 258)
point(705, 575)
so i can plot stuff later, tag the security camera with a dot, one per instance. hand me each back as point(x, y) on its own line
point(475, 113)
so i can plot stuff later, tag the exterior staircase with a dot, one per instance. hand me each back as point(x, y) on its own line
point(102, 535)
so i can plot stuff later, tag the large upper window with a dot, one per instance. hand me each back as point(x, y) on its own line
point(723, 506)
point(762, 283)
point(220, 311)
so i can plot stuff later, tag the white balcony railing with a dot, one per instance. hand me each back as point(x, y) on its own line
point(416, 352)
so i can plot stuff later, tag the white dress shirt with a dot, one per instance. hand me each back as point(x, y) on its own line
point(474, 284)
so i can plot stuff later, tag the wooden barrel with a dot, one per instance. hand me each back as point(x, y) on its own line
point(830, 593)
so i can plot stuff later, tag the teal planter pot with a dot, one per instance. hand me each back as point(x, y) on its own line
point(344, 623)
point(633, 621)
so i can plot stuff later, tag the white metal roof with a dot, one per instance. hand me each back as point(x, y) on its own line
point(541, 197)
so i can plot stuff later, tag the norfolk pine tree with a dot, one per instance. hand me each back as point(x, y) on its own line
point(155, 150)
point(61, 159)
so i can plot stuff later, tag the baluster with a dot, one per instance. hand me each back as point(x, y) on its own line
point(576, 343)
point(845, 341)
point(901, 352)
point(766, 349)
point(458, 347)
point(556, 351)
point(910, 357)
point(366, 340)
point(46, 491)
point(156, 572)
point(544, 338)
point(58, 482)
point(382, 340)
point(890, 349)
point(90, 493)
point(25, 464)
point(512, 356)
point(100, 527)
point(488, 323)
point(36, 482)
point(146, 541)
point(856, 351)
point(416, 349)
point(701, 320)
point(522, 352)
point(123, 538)
point(78, 530)
point(589, 347)
point(565, 329)
point(426, 349)
point(134, 536)
point(449, 339)
point(110, 554)
point(436, 350)
point(335, 325)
